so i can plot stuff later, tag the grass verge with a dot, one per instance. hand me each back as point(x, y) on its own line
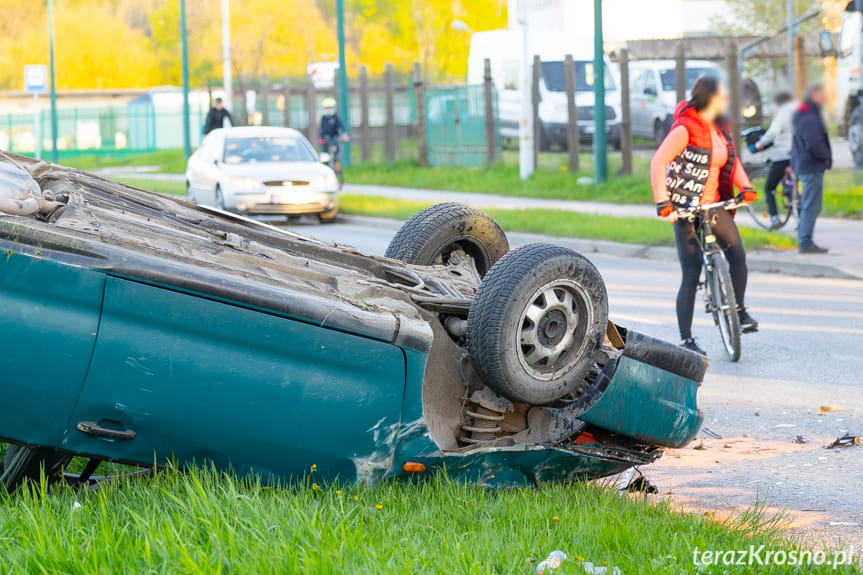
point(203, 522)
point(643, 231)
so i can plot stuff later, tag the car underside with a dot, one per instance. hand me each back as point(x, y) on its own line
point(145, 329)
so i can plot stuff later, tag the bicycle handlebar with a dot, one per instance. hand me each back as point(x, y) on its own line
point(690, 213)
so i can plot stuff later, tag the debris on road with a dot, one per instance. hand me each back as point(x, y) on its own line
point(846, 440)
point(592, 569)
point(710, 433)
point(829, 408)
point(800, 440)
point(700, 446)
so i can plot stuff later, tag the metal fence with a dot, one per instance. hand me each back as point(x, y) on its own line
point(456, 125)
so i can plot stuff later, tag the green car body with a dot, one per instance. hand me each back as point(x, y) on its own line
point(143, 329)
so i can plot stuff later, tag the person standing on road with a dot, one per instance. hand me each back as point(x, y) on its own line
point(779, 135)
point(217, 117)
point(697, 164)
point(811, 156)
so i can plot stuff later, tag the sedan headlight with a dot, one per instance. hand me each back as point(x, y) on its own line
point(245, 183)
point(328, 181)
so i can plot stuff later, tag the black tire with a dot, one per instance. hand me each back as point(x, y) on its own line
point(855, 135)
point(724, 306)
point(513, 309)
point(328, 217)
point(430, 235)
point(658, 132)
point(27, 463)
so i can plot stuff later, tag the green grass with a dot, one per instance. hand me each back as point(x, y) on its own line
point(158, 186)
point(166, 161)
point(644, 231)
point(204, 522)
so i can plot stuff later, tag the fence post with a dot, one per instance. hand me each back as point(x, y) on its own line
point(420, 100)
point(534, 92)
point(265, 100)
point(365, 137)
point(311, 109)
point(286, 94)
point(390, 112)
point(734, 92)
point(572, 142)
point(801, 76)
point(626, 115)
point(680, 73)
point(490, 119)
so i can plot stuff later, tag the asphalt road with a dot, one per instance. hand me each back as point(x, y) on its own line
point(808, 355)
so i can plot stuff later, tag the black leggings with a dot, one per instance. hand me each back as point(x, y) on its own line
point(689, 252)
point(774, 178)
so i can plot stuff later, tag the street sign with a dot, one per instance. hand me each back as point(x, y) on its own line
point(36, 79)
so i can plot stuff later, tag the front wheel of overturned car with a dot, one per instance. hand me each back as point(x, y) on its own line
point(29, 463)
point(537, 323)
point(433, 235)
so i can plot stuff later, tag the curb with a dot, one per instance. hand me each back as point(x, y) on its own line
point(760, 260)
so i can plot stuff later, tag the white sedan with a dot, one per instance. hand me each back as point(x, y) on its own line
point(262, 170)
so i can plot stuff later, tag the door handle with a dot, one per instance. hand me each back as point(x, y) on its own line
point(96, 430)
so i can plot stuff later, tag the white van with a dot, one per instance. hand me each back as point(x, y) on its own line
point(653, 94)
point(503, 49)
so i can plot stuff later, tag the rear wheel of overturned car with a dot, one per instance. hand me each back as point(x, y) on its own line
point(434, 234)
point(30, 463)
point(537, 323)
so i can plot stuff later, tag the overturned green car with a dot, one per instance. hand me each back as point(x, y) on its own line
point(144, 329)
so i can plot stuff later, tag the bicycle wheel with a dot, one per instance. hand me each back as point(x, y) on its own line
point(784, 208)
point(724, 304)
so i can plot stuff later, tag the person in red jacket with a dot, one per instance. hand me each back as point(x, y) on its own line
point(697, 164)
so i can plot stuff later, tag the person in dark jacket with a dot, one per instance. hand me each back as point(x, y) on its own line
point(216, 117)
point(332, 129)
point(811, 156)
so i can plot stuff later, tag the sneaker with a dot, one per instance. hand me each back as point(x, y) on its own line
point(692, 346)
point(775, 222)
point(813, 249)
point(748, 324)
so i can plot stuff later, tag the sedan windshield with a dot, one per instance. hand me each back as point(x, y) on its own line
point(248, 150)
point(552, 73)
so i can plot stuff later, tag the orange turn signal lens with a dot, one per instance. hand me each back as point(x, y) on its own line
point(413, 467)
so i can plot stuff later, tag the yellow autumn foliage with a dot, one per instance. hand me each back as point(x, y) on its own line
point(136, 43)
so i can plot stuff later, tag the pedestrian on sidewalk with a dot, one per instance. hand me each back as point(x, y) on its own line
point(811, 156)
point(217, 117)
point(697, 164)
point(778, 139)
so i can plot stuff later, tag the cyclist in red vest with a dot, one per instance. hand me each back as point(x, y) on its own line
point(697, 164)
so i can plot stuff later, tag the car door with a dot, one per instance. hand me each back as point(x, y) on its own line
point(653, 108)
point(636, 103)
point(204, 168)
point(177, 376)
point(50, 314)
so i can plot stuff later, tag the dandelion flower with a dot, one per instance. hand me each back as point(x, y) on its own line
point(379, 506)
point(356, 497)
point(338, 491)
point(555, 518)
point(314, 486)
point(314, 466)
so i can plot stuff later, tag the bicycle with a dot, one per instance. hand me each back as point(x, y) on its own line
point(332, 146)
point(787, 204)
point(719, 298)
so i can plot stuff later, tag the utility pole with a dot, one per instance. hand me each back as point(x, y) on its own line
point(790, 9)
point(184, 49)
point(55, 154)
point(600, 152)
point(343, 80)
point(526, 161)
point(227, 81)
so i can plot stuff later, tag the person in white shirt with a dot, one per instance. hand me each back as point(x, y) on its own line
point(779, 135)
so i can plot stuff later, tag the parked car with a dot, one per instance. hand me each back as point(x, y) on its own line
point(262, 170)
point(653, 94)
point(503, 49)
point(146, 329)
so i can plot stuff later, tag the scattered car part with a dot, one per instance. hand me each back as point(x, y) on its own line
point(846, 440)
